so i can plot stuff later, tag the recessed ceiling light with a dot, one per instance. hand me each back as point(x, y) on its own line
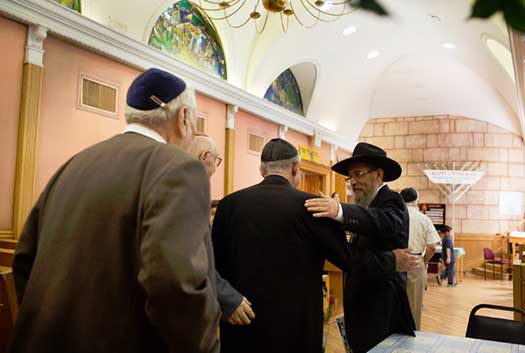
point(448, 45)
point(349, 30)
point(373, 54)
point(326, 6)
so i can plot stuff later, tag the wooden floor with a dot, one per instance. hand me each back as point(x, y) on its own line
point(440, 302)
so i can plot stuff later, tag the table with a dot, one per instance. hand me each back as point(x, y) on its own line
point(516, 238)
point(459, 252)
point(433, 342)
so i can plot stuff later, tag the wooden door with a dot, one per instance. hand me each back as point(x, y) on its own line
point(312, 183)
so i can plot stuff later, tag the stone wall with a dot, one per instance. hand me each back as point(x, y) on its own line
point(415, 141)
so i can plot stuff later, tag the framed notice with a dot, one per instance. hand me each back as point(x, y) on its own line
point(435, 211)
point(510, 203)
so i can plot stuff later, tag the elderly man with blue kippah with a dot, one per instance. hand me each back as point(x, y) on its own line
point(116, 254)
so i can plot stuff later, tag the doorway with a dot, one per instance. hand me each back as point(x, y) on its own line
point(314, 177)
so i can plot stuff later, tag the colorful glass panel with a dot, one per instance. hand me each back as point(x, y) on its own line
point(183, 32)
point(285, 92)
point(72, 4)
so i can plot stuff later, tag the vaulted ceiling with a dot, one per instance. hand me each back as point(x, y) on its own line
point(414, 74)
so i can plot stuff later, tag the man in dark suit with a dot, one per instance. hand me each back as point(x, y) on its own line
point(116, 254)
point(378, 222)
point(236, 309)
point(272, 250)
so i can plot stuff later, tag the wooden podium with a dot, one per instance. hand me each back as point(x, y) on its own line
point(336, 286)
point(518, 288)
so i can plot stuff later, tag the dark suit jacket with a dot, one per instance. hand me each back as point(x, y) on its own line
point(116, 255)
point(229, 298)
point(376, 309)
point(273, 251)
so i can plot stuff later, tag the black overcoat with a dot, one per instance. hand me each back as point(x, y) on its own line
point(271, 249)
point(375, 309)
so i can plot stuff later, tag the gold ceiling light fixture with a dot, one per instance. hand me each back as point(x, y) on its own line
point(308, 13)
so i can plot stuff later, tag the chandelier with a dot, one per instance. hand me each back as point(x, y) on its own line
point(307, 13)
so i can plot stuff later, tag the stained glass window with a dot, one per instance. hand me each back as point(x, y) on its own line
point(285, 92)
point(72, 4)
point(183, 32)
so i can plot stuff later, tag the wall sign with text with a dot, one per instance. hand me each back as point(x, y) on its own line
point(435, 211)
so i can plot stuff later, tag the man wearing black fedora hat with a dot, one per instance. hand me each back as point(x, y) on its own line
point(378, 222)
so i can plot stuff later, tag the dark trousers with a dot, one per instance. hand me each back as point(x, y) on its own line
point(450, 272)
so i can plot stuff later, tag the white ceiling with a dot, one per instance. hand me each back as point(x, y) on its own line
point(413, 75)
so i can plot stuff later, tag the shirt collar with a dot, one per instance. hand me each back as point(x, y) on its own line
point(144, 131)
point(377, 191)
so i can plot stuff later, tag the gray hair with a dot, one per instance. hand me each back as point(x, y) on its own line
point(160, 115)
point(282, 166)
point(202, 144)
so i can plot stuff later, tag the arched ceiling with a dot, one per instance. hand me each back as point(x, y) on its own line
point(412, 75)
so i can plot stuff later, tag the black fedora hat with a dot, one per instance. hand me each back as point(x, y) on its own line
point(367, 153)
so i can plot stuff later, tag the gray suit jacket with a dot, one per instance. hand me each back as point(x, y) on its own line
point(116, 255)
point(229, 298)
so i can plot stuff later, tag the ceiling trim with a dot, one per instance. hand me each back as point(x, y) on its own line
point(73, 27)
point(517, 42)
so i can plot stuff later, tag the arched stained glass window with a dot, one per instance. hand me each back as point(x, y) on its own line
point(72, 4)
point(285, 92)
point(183, 32)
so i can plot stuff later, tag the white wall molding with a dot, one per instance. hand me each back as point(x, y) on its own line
point(333, 153)
point(73, 27)
point(35, 45)
point(517, 43)
point(230, 115)
point(283, 129)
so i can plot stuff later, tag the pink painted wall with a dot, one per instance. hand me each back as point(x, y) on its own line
point(12, 42)
point(215, 112)
point(342, 154)
point(246, 166)
point(65, 129)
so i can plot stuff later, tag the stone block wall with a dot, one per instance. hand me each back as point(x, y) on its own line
point(414, 141)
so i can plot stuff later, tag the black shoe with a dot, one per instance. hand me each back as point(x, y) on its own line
point(439, 280)
point(452, 285)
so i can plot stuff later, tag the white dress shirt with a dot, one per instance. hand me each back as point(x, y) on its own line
point(339, 217)
point(144, 131)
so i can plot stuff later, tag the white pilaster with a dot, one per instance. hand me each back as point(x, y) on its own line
point(35, 45)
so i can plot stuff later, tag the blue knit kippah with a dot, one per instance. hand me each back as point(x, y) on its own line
point(152, 88)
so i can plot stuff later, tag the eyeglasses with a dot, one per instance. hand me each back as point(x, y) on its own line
point(216, 157)
point(359, 175)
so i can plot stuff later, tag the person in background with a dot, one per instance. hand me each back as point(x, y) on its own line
point(422, 241)
point(116, 253)
point(236, 309)
point(213, 210)
point(448, 256)
point(378, 222)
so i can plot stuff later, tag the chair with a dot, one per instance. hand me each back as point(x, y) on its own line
point(490, 258)
point(496, 329)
